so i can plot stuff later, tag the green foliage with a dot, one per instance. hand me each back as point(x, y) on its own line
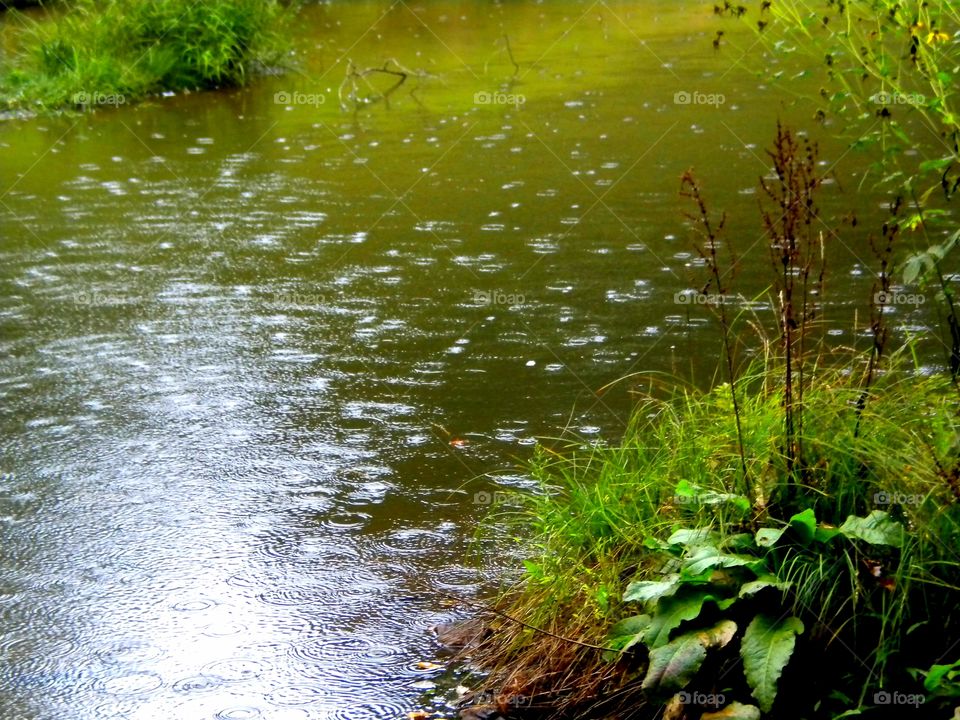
point(118, 51)
point(768, 643)
point(890, 70)
point(943, 680)
point(674, 665)
point(858, 555)
point(734, 585)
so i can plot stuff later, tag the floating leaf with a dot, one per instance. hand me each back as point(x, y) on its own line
point(878, 528)
point(734, 711)
point(427, 665)
point(767, 645)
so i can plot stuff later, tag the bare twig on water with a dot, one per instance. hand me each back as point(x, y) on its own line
point(355, 76)
point(509, 50)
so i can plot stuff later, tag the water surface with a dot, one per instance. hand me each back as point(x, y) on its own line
point(261, 352)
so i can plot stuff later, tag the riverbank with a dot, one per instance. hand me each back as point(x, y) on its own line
point(94, 54)
point(662, 579)
point(783, 545)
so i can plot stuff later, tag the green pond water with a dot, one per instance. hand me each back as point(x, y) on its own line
point(240, 330)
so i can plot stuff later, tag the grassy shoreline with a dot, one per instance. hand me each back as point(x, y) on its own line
point(786, 545)
point(117, 52)
point(650, 544)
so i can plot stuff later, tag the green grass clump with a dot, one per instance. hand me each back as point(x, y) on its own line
point(847, 558)
point(118, 51)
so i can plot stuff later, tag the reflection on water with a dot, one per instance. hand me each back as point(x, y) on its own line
point(264, 360)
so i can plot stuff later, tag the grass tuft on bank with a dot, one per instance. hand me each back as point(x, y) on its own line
point(119, 51)
point(659, 549)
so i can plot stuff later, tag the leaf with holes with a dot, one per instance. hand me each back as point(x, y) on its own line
point(766, 648)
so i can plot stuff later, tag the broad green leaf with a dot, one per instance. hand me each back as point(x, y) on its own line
point(627, 633)
point(942, 679)
point(672, 666)
point(804, 525)
point(911, 269)
point(705, 558)
point(825, 533)
point(739, 541)
point(878, 528)
point(734, 711)
point(646, 590)
point(936, 164)
point(686, 604)
point(652, 543)
point(694, 536)
point(761, 583)
point(768, 537)
point(719, 635)
point(766, 648)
